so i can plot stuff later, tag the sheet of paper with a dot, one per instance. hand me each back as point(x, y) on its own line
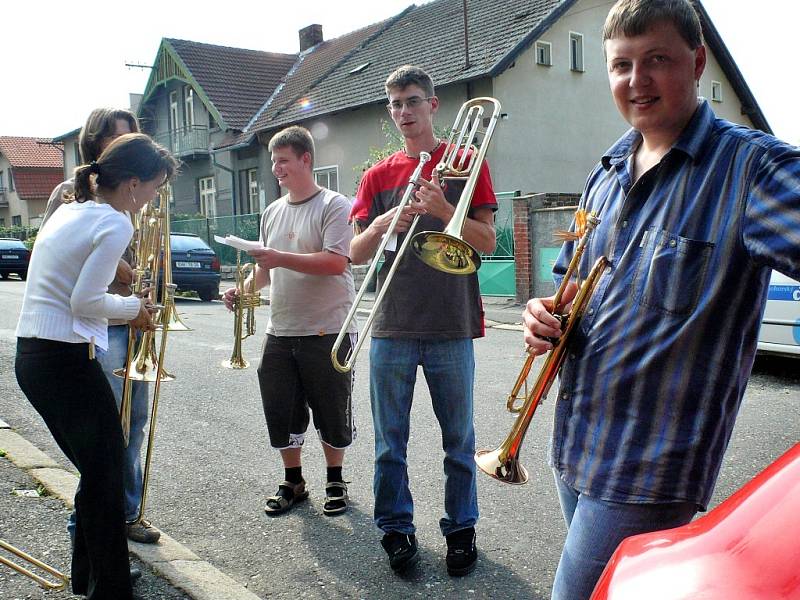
point(239, 243)
point(89, 328)
point(391, 245)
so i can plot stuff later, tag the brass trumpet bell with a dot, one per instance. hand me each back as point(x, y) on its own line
point(500, 465)
point(446, 253)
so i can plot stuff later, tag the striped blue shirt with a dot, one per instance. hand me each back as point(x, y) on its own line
point(657, 369)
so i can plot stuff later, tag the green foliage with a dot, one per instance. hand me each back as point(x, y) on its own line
point(26, 234)
point(394, 142)
point(185, 216)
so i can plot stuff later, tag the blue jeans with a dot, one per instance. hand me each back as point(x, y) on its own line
point(132, 477)
point(449, 367)
point(594, 530)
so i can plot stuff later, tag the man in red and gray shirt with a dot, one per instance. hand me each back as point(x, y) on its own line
point(427, 318)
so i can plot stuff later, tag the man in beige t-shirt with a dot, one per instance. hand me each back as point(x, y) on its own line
point(306, 259)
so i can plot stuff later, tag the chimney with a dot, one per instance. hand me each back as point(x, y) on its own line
point(310, 36)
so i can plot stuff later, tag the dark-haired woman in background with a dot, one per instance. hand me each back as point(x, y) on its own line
point(102, 127)
point(64, 314)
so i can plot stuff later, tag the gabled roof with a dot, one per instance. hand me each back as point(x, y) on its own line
point(24, 152)
point(432, 36)
point(233, 82)
point(311, 68)
point(33, 184)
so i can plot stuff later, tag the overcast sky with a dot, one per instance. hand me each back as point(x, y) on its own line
point(61, 59)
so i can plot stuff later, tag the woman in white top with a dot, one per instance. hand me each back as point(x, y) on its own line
point(65, 312)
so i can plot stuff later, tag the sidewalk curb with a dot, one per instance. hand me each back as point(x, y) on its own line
point(170, 559)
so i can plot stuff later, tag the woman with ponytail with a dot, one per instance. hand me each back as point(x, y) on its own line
point(64, 314)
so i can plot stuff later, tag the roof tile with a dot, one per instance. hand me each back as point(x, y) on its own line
point(31, 152)
point(33, 184)
point(237, 81)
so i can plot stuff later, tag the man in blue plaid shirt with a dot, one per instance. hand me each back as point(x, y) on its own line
point(695, 213)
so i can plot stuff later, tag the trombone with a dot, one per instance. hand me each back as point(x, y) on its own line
point(447, 250)
point(503, 462)
point(244, 308)
point(350, 359)
point(58, 584)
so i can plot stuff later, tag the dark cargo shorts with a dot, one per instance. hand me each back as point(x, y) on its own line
point(296, 375)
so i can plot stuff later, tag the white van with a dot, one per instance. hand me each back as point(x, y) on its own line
point(780, 327)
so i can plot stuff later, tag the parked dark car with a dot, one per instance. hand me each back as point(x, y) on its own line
point(195, 266)
point(14, 258)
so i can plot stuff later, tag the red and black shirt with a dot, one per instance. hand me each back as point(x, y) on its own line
point(421, 302)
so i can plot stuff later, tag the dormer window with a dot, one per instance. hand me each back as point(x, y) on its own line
point(716, 91)
point(544, 55)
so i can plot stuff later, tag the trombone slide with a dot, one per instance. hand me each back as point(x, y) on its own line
point(349, 360)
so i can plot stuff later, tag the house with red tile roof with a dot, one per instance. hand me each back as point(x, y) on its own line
point(217, 107)
point(29, 170)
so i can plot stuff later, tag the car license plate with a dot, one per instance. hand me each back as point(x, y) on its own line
point(10, 256)
point(183, 264)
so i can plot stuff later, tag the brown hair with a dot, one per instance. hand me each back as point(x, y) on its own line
point(130, 155)
point(630, 18)
point(407, 75)
point(297, 138)
point(101, 124)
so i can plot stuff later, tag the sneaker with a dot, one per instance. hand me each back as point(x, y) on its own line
point(143, 532)
point(402, 550)
point(462, 555)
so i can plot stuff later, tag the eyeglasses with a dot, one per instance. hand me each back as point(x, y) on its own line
point(411, 103)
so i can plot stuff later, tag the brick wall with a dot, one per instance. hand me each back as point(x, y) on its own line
point(536, 218)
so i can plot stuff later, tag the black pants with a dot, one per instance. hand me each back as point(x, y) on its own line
point(73, 397)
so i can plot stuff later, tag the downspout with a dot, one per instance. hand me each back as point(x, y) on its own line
point(233, 179)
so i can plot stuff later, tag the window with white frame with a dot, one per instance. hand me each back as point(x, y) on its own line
point(10, 180)
point(328, 177)
point(575, 51)
point(544, 54)
point(188, 105)
point(173, 110)
point(252, 190)
point(716, 91)
point(2, 181)
point(208, 196)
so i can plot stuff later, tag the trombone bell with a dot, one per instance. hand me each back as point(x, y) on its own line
point(446, 253)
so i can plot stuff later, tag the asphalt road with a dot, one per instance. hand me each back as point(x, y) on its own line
point(213, 468)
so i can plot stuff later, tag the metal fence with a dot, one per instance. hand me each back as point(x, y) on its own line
point(247, 227)
point(243, 226)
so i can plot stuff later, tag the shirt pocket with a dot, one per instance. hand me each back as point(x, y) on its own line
point(671, 272)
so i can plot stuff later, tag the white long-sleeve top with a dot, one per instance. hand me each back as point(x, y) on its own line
point(74, 260)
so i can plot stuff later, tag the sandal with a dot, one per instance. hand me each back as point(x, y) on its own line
point(288, 494)
point(335, 498)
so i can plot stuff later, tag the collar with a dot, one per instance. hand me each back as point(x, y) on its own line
point(691, 141)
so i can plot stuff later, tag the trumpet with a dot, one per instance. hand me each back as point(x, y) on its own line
point(503, 463)
point(350, 359)
point(60, 581)
point(447, 250)
point(244, 308)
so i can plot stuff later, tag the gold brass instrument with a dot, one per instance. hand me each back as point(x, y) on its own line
point(147, 364)
point(61, 581)
point(349, 361)
point(503, 462)
point(244, 307)
point(446, 250)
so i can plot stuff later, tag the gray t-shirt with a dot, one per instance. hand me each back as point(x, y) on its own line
point(303, 304)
